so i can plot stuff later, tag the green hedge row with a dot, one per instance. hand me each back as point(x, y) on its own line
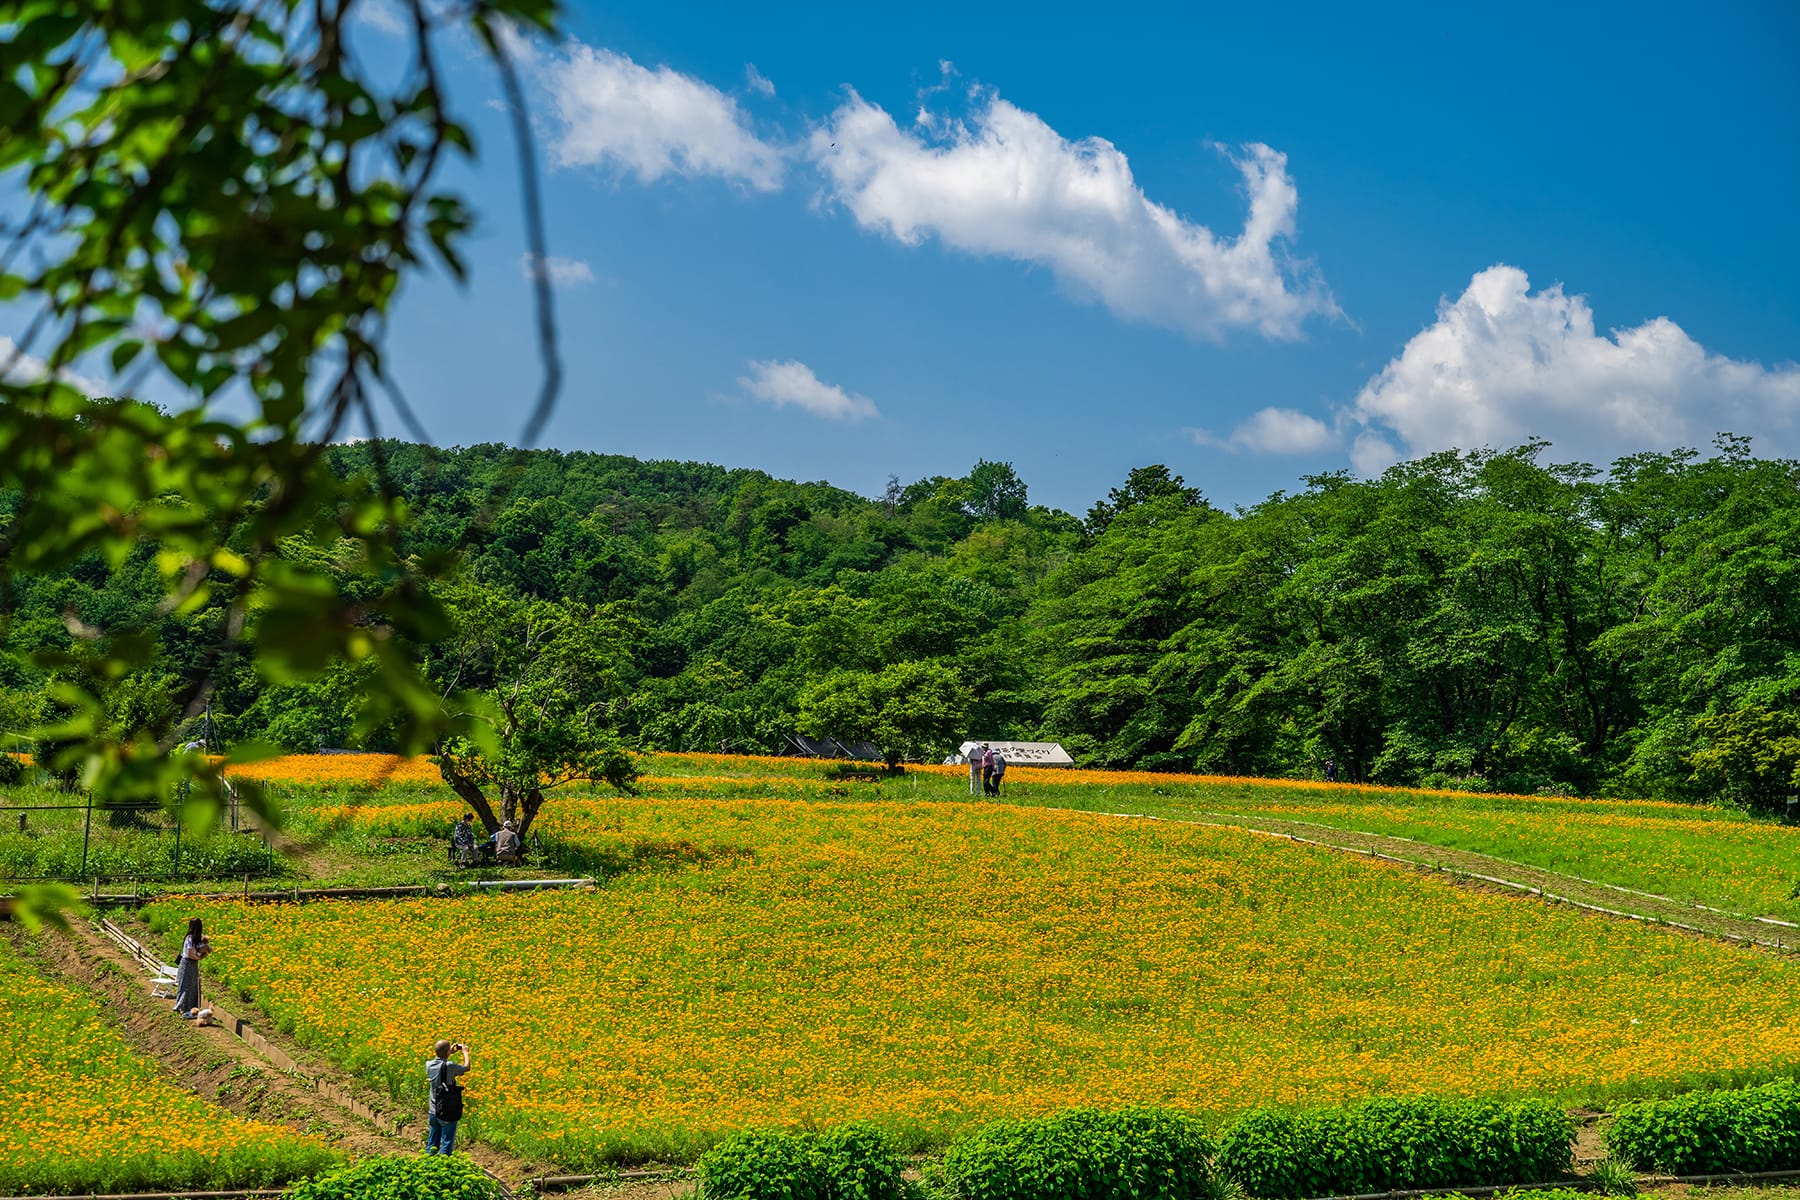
point(1381, 1145)
point(853, 1162)
point(1131, 1154)
point(1153, 1154)
point(428, 1177)
point(1703, 1133)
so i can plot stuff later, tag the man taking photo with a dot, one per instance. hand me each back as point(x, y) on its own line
point(444, 1107)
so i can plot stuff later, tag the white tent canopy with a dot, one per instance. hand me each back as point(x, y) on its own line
point(1022, 754)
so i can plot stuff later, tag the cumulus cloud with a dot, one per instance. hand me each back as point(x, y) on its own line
point(1274, 431)
point(1004, 183)
point(610, 111)
point(793, 383)
point(21, 369)
point(561, 272)
point(1501, 365)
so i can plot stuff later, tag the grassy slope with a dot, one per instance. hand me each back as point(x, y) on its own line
point(765, 960)
point(1705, 855)
point(1708, 855)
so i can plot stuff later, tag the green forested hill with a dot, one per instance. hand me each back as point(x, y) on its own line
point(1477, 617)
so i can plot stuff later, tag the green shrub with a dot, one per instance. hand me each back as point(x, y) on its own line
point(1140, 1153)
point(1742, 1129)
point(852, 1162)
point(11, 770)
point(252, 1165)
point(775, 1166)
point(1613, 1176)
point(429, 1177)
point(858, 1162)
point(1382, 1145)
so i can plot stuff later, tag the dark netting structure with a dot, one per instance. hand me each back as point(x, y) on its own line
point(82, 840)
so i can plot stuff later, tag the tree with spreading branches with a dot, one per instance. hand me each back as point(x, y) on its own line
point(221, 203)
point(538, 680)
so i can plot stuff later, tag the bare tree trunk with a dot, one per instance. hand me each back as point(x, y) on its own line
point(534, 800)
point(473, 796)
point(509, 803)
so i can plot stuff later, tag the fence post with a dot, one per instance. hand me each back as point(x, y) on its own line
point(178, 824)
point(86, 830)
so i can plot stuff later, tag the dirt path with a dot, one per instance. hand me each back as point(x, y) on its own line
point(1468, 865)
point(220, 1067)
point(208, 1062)
point(303, 1092)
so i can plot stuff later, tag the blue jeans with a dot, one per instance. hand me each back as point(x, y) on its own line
point(440, 1136)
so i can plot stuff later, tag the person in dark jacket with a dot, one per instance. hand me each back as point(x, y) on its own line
point(462, 840)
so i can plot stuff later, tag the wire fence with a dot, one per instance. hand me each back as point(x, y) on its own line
point(82, 840)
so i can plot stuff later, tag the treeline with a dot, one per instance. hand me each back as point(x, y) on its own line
point(1473, 619)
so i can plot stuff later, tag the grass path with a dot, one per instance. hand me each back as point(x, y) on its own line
point(1516, 876)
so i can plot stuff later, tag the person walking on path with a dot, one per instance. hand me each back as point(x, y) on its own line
point(987, 770)
point(998, 774)
point(977, 784)
point(443, 1107)
point(194, 947)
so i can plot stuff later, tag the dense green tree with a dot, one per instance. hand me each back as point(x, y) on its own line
point(996, 492)
point(1750, 755)
point(537, 682)
point(1141, 484)
point(1480, 619)
point(911, 710)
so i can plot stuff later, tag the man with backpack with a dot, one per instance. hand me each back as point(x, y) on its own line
point(444, 1106)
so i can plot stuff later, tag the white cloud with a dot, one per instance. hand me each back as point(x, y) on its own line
point(383, 16)
point(758, 82)
point(793, 383)
point(561, 272)
point(1274, 431)
point(21, 370)
point(1500, 366)
point(651, 123)
point(1005, 183)
point(1371, 453)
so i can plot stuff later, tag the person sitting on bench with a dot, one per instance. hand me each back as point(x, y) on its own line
point(462, 840)
point(506, 844)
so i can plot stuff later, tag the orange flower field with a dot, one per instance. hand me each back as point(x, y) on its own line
point(339, 770)
point(81, 1111)
point(784, 962)
point(1715, 856)
point(375, 770)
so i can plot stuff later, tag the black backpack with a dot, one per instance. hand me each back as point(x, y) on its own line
point(446, 1096)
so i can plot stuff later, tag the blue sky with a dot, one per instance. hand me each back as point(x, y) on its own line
point(845, 243)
